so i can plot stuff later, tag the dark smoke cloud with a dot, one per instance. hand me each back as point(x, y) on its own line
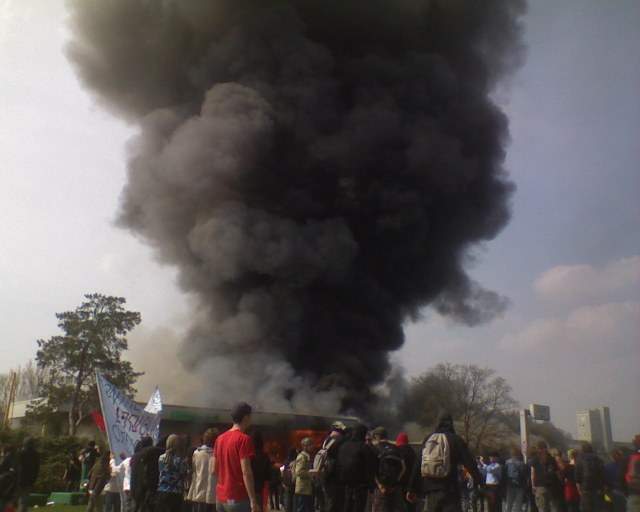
point(317, 170)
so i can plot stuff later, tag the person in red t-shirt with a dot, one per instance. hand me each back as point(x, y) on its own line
point(231, 463)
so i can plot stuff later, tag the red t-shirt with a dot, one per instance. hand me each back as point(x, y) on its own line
point(231, 447)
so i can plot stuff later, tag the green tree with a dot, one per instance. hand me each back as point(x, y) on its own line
point(476, 397)
point(94, 339)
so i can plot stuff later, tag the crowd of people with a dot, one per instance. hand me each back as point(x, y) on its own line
point(353, 470)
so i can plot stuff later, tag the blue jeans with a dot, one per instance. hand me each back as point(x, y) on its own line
point(234, 506)
point(515, 496)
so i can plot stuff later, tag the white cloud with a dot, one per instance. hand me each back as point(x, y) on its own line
point(580, 284)
point(590, 332)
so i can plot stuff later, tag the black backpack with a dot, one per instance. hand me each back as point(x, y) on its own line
point(389, 464)
point(592, 472)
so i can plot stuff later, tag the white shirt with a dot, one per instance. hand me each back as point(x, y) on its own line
point(494, 472)
point(112, 484)
point(124, 470)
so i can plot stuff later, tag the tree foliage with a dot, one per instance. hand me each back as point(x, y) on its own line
point(94, 339)
point(30, 380)
point(476, 397)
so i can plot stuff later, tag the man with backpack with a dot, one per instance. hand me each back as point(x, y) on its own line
point(590, 478)
point(391, 468)
point(325, 468)
point(435, 472)
point(516, 480)
point(356, 468)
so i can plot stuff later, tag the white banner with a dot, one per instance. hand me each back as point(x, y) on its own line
point(127, 421)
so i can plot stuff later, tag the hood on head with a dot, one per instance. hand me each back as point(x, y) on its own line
point(359, 432)
point(445, 424)
point(403, 439)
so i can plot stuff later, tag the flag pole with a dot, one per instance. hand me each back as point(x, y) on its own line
point(106, 434)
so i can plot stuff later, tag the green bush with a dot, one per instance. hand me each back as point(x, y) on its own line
point(54, 453)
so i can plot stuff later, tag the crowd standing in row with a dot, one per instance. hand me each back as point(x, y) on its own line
point(353, 470)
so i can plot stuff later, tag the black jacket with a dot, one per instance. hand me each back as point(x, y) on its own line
point(357, 462)
point(590, 472)
point(460, 455)
point(29, 460)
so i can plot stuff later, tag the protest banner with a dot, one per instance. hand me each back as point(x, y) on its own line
point(127, 421)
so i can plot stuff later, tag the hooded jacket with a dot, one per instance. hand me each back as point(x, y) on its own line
point(408, 455)
point(203, 483)
point(29, 464)
point(99, 475)
point(356, 461)
point(460, 455)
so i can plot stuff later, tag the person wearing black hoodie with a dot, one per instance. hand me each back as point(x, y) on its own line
point(443, 494)
point(590, 478)
point(29, 460)
point(356, 469)
point(138, 487)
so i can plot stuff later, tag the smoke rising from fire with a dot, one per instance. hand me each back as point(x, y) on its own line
point(317, 171)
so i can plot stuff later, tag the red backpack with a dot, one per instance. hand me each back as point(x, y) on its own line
point(633, 473)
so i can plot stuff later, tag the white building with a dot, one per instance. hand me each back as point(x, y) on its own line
point(594, 425)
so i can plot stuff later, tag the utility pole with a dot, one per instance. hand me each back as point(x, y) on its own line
point(524, 433)
point(13, 386)
point(536, 412)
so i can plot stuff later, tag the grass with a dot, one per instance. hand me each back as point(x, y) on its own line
point(61, 508)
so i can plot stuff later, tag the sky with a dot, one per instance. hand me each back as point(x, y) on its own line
point(569, 260)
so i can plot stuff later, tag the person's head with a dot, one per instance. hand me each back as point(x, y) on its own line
point(403, 439)
point(29, 443)
point(293, 453)
point(123, 455)
point(494, 457)
point(173, 443)
point(586, 447)
point(162, 442)
point(379, 434)
point(636, 442)
point(338, 428)
point(241, 415)
point(445, 423)
point(210, 436)
point(307, 444)
point(616, 455)
point(542, 447)
point(359, 432)
point(91, 445)
point(516, 453)
point(572, 454)
point(258, 442)
point(555, 453)
point(368, 439)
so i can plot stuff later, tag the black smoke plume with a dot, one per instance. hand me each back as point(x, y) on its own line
point(317, 170)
